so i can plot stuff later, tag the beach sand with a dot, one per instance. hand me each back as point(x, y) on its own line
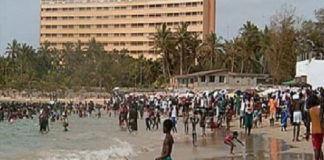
point(264, 143)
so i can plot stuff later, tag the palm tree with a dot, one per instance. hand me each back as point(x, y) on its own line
point(211, 48)
point(11, 53)
point(164, 44)
point(182, 37)
point(191, 58)
point(24, 53)
point(250, 45)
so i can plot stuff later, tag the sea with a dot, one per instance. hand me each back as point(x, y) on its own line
point(89, 138)
point(93, 138)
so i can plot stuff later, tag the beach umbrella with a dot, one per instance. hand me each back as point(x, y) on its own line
point(190, 95)
point(182, 95)
point(160, 94)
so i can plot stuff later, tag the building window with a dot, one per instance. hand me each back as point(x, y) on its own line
point(203, 78)
point(191, 80)
point(221, 79)
point(212, 79)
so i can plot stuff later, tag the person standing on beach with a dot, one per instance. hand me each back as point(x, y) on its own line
point(65, 122)
point(168, 141)
point(242, 113)
point(249, 116)
point(297, 115)
point(203, 121)
point(194, 121)
point(317, 131)
point(237, 104)
point(174, 116)
point(284, 118)
point(273, 110)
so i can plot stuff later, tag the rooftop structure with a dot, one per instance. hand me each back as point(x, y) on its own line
point(219, 79)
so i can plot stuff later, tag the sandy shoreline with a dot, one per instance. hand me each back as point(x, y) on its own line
point(212, 147)
point(208, 148)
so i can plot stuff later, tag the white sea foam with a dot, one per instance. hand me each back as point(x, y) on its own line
point(120, 150)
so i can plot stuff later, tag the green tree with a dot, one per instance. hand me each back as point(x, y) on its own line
point(183, 38)
point(165, 46)
point(210, 51)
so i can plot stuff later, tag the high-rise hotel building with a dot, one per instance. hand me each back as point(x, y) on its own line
point(121, 24)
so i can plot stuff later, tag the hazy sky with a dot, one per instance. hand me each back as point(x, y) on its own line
point(19, 19)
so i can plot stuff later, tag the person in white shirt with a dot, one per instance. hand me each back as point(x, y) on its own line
point(174, 117)
point(242, 113)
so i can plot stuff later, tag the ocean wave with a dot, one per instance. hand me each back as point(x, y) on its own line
point(120, 150)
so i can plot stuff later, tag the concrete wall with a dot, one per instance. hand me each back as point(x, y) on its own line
point(313, 70)
point(231, 82)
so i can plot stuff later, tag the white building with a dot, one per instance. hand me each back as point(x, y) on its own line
point(313, 70)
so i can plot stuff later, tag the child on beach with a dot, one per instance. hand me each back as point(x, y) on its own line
point(168, 141)
point(229, 140)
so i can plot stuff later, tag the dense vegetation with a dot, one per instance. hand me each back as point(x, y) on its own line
point(272, 50)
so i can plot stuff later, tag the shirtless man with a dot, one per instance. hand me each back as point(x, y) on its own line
point(168, 141)
point(194, 121)
point(317, 131)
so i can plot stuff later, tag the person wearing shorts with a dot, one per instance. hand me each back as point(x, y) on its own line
point(297, 115)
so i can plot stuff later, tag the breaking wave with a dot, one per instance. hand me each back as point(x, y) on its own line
point(120, 150)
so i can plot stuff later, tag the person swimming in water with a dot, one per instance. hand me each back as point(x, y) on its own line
point(168, 141)
point(229, 141)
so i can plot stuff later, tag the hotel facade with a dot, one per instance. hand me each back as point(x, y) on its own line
point(121, 24)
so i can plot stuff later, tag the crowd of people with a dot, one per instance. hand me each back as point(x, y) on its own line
point(207, 110)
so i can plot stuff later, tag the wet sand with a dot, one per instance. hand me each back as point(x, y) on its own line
point(264, 143)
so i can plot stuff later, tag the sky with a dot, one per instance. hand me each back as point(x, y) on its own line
point(19, 19)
